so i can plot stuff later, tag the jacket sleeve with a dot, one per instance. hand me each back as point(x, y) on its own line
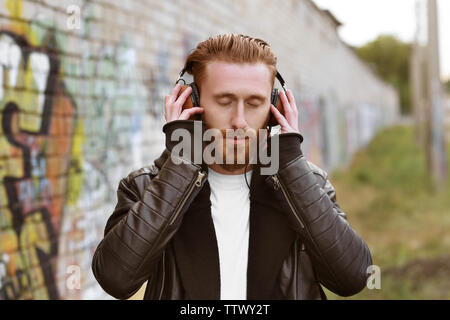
point(141, 226)
point(339, 255)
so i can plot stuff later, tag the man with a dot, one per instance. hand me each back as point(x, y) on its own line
point(196, 231)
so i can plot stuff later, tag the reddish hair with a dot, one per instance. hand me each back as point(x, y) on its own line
point(233, 48)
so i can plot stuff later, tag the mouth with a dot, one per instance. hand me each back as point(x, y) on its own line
point(237, 140)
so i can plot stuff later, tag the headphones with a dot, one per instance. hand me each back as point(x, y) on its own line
point(195, 96)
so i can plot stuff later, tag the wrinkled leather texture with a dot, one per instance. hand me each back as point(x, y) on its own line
point(339, 256)
point(137, 244)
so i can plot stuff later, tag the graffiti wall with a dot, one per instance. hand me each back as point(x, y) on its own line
point(81, 105)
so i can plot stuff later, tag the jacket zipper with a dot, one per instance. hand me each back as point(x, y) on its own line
point(279, 185)
point(296, 269)
point(197, 183)
point(297, 264)
point(163, 276)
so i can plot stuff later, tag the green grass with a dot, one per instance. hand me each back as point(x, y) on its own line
point(386, 193)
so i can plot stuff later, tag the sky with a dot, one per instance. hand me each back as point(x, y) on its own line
point(364, 20)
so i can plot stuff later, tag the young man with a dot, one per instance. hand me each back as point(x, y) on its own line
point(197, 231)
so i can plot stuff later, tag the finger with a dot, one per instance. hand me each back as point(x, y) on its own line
point(165, 106)
point(285, 102)
point(174, 93)
point(281, 120)
point(186, 114)
point(170, 108)
point(166, 101)
point(182, 98)
point(291, 100)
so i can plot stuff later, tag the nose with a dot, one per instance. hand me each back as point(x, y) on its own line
point(238, 120)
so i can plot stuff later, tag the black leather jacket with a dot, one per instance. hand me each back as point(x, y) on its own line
point(161, 232)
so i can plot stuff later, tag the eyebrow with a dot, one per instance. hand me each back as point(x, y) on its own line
point(232, 95)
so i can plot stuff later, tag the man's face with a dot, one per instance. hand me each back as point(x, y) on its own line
point(236, 96)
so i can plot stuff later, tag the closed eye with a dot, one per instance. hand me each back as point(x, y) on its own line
point(256, 103)
point(224, 101)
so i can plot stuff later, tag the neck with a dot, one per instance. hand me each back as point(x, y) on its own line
point(231, 169)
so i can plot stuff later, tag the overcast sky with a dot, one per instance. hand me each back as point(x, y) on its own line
point(364, 20)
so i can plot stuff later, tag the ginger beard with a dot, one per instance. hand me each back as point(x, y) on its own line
point(238, 148)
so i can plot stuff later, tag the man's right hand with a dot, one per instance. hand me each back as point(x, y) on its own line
point(173, 105)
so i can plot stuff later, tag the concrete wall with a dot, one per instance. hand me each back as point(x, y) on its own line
point(81, 108)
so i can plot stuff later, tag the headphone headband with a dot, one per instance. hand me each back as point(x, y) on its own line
point(278, 76)
point(281, 80)
point(180, 76)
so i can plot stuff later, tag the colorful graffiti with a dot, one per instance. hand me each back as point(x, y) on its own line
point(113, 137)
point(37, 124)
point(71, 127)
point(51, 217)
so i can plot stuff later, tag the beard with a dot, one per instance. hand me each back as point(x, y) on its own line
point(237, 149)
point(242, 154)
point(233, 167)
point(236, 154)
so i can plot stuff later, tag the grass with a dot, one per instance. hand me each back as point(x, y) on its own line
point(387, 195)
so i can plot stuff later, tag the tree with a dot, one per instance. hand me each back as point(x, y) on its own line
point(390, 57)
point(447, 85)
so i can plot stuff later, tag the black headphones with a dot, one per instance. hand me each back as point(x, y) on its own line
point(195, 95)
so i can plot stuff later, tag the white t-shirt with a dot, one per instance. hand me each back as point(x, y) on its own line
point(230, 209)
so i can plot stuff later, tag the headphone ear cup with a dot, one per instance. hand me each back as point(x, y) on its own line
point(194, 101)
point(276, 101)
point(195, 95)
point(274, 97)
point(188, 103)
